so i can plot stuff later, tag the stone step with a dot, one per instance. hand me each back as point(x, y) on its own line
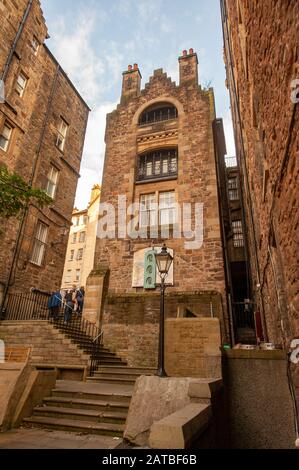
point(81, 403)
point(118, 375)
point(115, 369)
point(113, 361)
point(111, 398)
point(112, 380)
point(81, 414)
point(76, 425)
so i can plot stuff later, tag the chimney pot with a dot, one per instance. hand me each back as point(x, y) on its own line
point(191, 51)
point(185, 52)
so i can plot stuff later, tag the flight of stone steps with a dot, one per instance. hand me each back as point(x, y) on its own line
point(99, 406)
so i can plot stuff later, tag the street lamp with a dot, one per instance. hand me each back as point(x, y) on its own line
point(164, 261)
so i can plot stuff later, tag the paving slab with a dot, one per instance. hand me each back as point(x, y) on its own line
point(44, 439)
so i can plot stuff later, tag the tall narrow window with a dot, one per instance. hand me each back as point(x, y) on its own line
point(233, 191)
point(148, 210)
point(68, 277)
point(80, 254)
point(167, 208)
point(21, 84)
point(74, 238)
point(238, 234)
point(82, 237)
point(35, 45)
point(39, 245)
point(72, 254)
point(62, 132)
point(78, 274)
point(5, 136)
point(52, 182)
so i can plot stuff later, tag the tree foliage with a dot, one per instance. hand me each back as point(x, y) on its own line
point(16, 194)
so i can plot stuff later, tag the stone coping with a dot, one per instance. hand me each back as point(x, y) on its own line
point(275, 354)
point(135, 296)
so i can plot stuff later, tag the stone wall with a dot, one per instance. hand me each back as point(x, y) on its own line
point(260, 407)
point(192, 347)
point(262, 60)
point(131, 326)
point(35, 118)
point(48, 345)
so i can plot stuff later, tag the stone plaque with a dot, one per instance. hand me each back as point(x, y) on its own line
point(138, 268)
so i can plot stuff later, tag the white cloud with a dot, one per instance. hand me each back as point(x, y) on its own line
point(229, 135)
point(78, 59)
point(93, 154)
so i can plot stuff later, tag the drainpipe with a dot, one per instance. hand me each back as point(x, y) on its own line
point(13, 47)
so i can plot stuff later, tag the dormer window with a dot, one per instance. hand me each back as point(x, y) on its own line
point(157, 165)
point(158, 113)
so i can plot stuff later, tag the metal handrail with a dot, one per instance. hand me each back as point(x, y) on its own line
point(34, 306)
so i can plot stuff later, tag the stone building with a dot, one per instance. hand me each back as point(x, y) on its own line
point(42, 128)
point(82, 242)
point(160, 153)
point(235, 249)
point(262, 63)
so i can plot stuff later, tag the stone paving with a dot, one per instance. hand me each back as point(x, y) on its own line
point(44, 439)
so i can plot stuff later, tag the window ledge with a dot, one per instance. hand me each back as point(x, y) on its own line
point(156, 180)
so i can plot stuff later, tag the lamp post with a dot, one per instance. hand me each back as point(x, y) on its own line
point(164, 261)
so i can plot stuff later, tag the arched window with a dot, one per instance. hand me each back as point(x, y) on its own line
point(157, 113)
point(157, 164)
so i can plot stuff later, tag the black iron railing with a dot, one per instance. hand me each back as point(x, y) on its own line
point(157, 165)
point(34, 306)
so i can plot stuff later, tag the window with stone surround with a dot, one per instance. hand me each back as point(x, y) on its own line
point(159, 164)
point(21, 84)
point(82, 237)
point(158, 209)
point(74, 240)
point(39, 245)
point(52, 181)
point(35, 45)
point(68, 277)
point(72, 255)
point(80, 254)
point(78, 275)
point(62, 133)
point(5, 136)
point(158, 113)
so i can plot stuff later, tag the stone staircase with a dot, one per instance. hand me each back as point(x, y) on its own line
point(99, 406)
point(47, 344)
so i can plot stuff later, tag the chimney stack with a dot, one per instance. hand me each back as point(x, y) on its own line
point(188, 68)
point(131, 83)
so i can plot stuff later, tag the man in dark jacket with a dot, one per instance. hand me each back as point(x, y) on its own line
point(54, 304)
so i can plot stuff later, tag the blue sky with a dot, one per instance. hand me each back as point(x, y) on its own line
point(95, 40)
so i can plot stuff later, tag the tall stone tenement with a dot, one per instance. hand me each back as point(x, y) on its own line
point(82, 243)
point(160, 151)
point(262, 62)
point(42, 127)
